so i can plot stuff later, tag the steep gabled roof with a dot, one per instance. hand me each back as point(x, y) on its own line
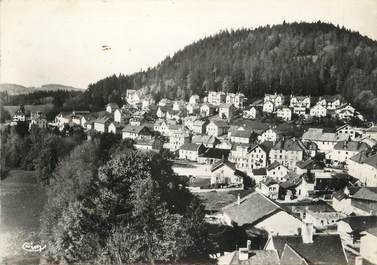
point(326, 249)
point(215, 153)
point(223, 163)
point(288, 144)
point(252, 209)
point(366, 193)
point(219, 123)
point(190, 147)
point(352, 146)
point(133, 129)
point(361, 223)
point(113, 105)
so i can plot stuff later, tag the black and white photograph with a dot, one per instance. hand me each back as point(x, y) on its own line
point(188, 132)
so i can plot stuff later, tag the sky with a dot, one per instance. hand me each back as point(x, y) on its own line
point(60, 41)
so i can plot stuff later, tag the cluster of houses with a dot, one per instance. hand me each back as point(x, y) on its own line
point(310, 192)
point(285, 108)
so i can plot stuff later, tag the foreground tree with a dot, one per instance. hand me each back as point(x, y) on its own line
point(135, 194)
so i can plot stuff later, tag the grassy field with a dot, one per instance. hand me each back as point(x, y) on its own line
point(21, 201)
point(32, 108)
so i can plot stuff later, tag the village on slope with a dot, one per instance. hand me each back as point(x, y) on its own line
point(305, 193)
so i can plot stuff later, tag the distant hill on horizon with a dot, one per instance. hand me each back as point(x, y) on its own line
point(15, 89)
point(291, 58)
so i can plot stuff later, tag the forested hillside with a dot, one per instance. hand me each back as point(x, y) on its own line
point(300, 58)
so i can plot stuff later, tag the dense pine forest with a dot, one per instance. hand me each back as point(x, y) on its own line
point(301, 58)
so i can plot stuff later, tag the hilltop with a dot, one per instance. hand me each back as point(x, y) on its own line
point(15, 89)
point(297, 58)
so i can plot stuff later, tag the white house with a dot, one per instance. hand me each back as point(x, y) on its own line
point(147, 102)
point(324, 140)
point(249, 113)
point(331, 102)
point(101, 124)
point(268, 107)
point(225, 173)
point(133, 132)
point(194, 100)
point(248, 156)
point(345, 112)
point(178, 139)
point(207, 110)
point(277, 171)
point(287, 151)
point(162, 127)
point(199, 126)
point(115, 128)
point(318, 111)
point(284, 113)
point(216, 98)
point(269, 187)
point(276, 99)
point(363, 166)
point(217, 128)
point(300, 101)
point(236, 99)
point(111, 107)
point(344, 150)
point(191, 151)
point(256, 210)
point(226, 111)
point(350, 228)
point(346, 131)
point(268, 135)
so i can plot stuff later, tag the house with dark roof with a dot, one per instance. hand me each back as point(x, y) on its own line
point(225, 173)
point(324, 140)
point(347, 131)
point(258, 211)
point(148, 144)
point(207, 110)
point(358, 200)
point(258, 174)
point(309, 166)
point(206, 140)
point(212, 155)
point(268, 135)
point(111, 107)
point(241, 135)
point(277, 171)
point(350, 228)
point(288, 151)
point(331, 102)
point(115, 127)
point(217, 128)
point(226, 111)
point(269, 187)
point(249, 156)
point(191, 151)
point(101, 124)
point(363, 166)
point(133, 132)
point(308, 248)
point(344, 150)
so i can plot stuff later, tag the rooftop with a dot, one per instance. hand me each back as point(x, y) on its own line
point(329, 246)
point(251, 210)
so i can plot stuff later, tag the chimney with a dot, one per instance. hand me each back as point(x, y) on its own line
point(307, 232)
point(358, 260)
point(248, 245)
point(238, 199)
